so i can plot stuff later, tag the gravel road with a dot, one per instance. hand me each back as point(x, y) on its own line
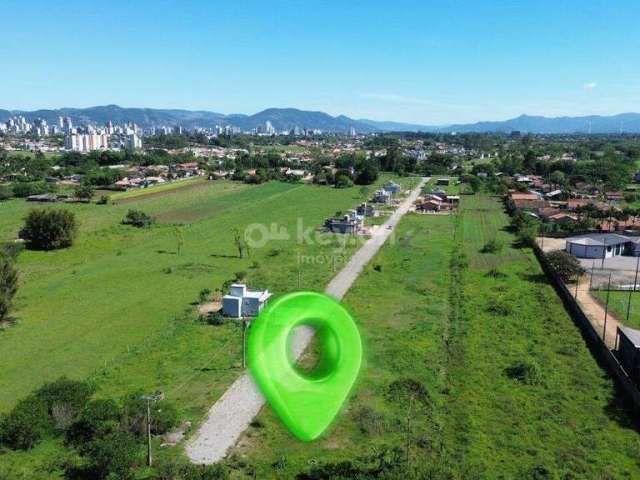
point(234, 411)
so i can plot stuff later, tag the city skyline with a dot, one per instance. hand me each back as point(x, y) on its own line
point(434, 64)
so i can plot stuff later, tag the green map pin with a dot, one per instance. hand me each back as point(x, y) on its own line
point(305, 402)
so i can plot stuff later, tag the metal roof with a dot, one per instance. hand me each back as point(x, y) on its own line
point(600, 239)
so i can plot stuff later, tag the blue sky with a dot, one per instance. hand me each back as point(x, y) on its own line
point(429, 62)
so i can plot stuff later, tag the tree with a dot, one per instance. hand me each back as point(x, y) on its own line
point(138, 219)
point(240, 244)
point(8, 284)
point(84, 192)
point(49, 229)
point(26, 424)
point(565, 264)
point(342, 180)
point(5, 192)
point(113, 455)
point(98, 418)
point(65, 399)
point(366, 173)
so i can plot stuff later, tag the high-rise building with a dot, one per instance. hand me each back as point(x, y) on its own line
point(67, 125)
point(86, 142)
point(134, 142)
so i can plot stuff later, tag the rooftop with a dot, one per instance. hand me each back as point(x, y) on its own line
point(601, 239)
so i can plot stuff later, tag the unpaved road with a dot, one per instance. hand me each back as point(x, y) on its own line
point(232, 413)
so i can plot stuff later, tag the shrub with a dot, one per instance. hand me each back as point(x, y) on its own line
point(403, 390)
point(84, 192)
point(565, 264)
point(49, 229)
point(64, 399)
point(112, 455)
point(11, 249)
point(8, 284)
point(97, 419)
point(492, 246)
point(26, 189)
point(527, 372)
point(104, 200)
point(496, 273)
point(205, 295)
point(214, 318)
point(138, 219)
point(343, 181)
point(26, 424)
point(6, 192)
point(369, 421)
point(164, 415)
point(499, 306)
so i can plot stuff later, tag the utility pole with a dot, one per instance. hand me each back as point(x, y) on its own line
point(150, 398)
point(244, 343)
point(631, 290)
point(606, 311)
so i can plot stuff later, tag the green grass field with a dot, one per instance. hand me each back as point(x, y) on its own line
point(164, 187)
point(510, 388)
point(618, 302)
point(117, 306)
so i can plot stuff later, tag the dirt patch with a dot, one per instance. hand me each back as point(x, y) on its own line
point(205, 308)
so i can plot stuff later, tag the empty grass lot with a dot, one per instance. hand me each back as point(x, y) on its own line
point(117, 306)
point(510, 388)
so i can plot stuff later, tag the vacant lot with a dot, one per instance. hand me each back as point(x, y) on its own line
point(472, 370)
point(117, 307)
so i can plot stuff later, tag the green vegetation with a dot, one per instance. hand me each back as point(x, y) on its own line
point(472, 369)
point(49, 229)
point(566, 265)
point(117, 308)
point(138, 218)
point(8, 285)
point(618, 303)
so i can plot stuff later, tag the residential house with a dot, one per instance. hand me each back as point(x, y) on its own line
point(242, 302)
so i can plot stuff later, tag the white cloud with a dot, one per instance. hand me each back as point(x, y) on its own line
point(590, 85)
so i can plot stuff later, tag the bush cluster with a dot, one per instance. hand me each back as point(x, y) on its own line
point(49, 229)
point(138, 219)
point(108, 435)
point(566, 265)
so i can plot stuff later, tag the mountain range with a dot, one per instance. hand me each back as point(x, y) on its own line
point(288, 118)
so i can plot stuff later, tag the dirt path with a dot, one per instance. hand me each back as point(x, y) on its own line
point(592, 308)
point(232, 413)
point(595, 311)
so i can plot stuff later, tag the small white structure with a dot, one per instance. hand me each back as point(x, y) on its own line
point(382, 196)
point(242, 302)
point(391, 187)
point(601, 245)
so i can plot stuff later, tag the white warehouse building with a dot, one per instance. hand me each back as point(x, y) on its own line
point(603, 245)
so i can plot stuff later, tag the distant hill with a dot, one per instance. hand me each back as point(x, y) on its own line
point(625, 122)
point(288, 118)
point(281, 118)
